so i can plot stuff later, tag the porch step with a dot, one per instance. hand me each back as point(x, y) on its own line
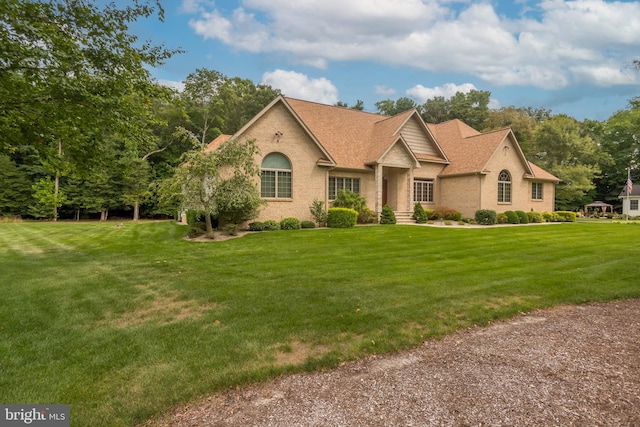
point(404, 217)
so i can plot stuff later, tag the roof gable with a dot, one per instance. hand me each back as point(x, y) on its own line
point(470, 151)
point(356, 138)
point(328, 160)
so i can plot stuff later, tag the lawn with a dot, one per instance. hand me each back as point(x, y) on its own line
point(124, 322)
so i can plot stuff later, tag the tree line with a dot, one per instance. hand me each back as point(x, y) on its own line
point(86, 132)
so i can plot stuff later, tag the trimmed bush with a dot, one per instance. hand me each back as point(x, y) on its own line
point(446, 213)
point(522, 217)
point(486, 217)
point(387, 216)
point(342, 217)
point(419, 214)
point(566, 216)
point(535, 217)
point(512, 217)
point(549, 217)
point(271, 225)
point(367, 216)
point(256, 226)
point(307, 224)
point(502, 218)
point(290, 224)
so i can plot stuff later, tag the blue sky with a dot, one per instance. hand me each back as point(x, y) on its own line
point(573, 57)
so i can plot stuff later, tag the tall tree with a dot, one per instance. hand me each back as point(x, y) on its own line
point(620, 138)
point(522, 121)
point(566, 149)
point(389, 107)
point(242, 100)
point(203, 103)
point(66, 71)
point(471, 107)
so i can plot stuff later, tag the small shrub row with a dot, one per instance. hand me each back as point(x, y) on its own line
point(289, 223)
point(489, 217)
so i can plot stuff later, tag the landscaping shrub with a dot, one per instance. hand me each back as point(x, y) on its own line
point(550, 217)
point(230, 229)
point(367, 216)
point(256, 226)
point(535, 217)
point(512, 217)
point(196, 229)
point(349, 199)
point(419, 215)
point(318, 212)
point(307, 224)
point(501, 218)
point(486, 217)
point(522, 217)
point(290, 224)
point(271, 225)
point(387, 216)
point(341, 217)
point(566, 216)
point(446, 214)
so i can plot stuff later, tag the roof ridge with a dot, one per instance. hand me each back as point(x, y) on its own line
point(288, 98)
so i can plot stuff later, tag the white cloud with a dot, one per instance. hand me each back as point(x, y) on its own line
point(298, 85)
point(179, 86)
point(383, 90)
point(567, 42)
point(447, 90)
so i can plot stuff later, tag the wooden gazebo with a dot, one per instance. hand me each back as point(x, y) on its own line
point(595, 206)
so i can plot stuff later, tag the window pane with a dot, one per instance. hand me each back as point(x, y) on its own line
point(633, 205)
point(284, 184)
point(268, 184)
point(337, 183)
point(332, 188)
point(276, 161)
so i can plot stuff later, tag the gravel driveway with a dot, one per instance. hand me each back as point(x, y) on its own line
point(567, 366)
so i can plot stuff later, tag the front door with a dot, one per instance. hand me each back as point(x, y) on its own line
point(384, 190)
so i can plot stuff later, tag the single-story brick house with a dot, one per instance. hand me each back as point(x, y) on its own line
point(310, 151)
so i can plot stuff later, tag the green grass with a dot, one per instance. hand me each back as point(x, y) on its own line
point(123, 323)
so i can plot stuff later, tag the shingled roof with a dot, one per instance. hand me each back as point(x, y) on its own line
point(354, 139)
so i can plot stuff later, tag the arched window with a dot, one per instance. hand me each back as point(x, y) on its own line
point(275, 176)
point(504, 187)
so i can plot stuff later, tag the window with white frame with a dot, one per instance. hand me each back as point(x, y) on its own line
point(423, 190)
point(504, 187)
point(337, 183)
point(536, 190)
point(633, 205)
point(275, 176)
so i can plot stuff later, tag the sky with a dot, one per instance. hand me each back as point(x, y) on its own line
point(570, 57)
